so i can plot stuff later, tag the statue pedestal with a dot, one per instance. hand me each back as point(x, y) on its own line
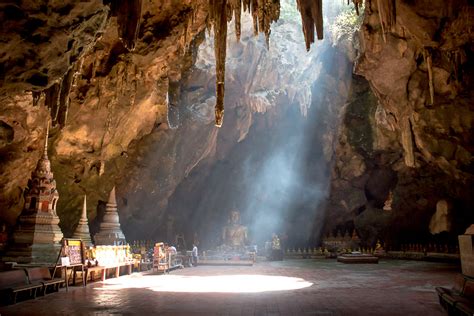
point(229, 257)
point(466, 249)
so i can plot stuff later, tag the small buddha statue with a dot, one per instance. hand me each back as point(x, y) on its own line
point(378, 248)
point(234, 235)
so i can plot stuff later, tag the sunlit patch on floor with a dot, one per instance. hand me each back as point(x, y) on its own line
point(208, 284)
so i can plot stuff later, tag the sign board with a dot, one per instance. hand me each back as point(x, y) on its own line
point(74, 250)
point(71, 255)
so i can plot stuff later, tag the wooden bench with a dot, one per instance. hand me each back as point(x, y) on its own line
point(458, 300)
point(16, 281)
point(91, 271)
point(116, 269)
point(113, 270)
point(43, 275)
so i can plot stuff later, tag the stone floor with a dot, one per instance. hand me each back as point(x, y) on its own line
point(292, 287)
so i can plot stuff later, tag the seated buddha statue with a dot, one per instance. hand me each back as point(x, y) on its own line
point(234, 235)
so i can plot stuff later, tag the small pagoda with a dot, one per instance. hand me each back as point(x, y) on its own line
point(37, 236)
point(82, 229)
point(110, 232)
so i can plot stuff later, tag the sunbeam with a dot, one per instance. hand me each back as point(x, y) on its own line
point(241, 283)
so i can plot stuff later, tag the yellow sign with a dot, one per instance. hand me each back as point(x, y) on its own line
point(73, 242)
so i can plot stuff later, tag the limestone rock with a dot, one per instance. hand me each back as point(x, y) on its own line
point(469, 230)
point(41, 42)
point(441, 219)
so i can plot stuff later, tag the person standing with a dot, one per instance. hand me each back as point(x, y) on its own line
point(195, 255)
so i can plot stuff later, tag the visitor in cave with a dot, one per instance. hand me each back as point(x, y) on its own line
point(171, 249)
point(195, 255)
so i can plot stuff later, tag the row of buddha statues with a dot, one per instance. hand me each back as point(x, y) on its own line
point(431, 247)
point(323, 251)
point(37, 237)
point(378, 248)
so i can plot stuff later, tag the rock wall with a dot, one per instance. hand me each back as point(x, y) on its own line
point(116, 96)
point(406, 141)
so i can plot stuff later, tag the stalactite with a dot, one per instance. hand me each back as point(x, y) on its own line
point(368, 6)
point(52, 100)
point(172, 100)
point(457, 58)
point(185, 36)
point(429, 65)
point(128, 18)
point(57, 98)
point(36, 97)
point(218, 18)
point(254, 13)
point(77, 72)
point(387, 15)
point(264, 13)
point(455, 63)
point(311, 17)
point(357, 5)
point(236, 6)
point(64, 97)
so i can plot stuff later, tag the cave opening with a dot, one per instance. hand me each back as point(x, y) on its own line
point(275, 108)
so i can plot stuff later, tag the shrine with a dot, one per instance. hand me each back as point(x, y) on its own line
point(110, 232)
point(82, 228)
point(37, 236)
point(234, 235)
point(235, 248)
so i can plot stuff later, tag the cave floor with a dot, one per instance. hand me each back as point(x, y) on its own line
point(290, 287)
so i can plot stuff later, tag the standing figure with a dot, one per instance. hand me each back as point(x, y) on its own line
point(195, 255)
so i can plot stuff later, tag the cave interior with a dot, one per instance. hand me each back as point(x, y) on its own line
point(348, 128)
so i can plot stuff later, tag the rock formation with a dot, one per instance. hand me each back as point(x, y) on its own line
point(408, 130)
point(117, 98)
point(312, 17)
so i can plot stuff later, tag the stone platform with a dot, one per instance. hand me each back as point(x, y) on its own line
point(227, 258)
point(357, 258)
point(290, 287)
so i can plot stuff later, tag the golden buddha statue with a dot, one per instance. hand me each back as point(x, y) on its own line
point(378, 245)
point(379, 248)
point(234, 235)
